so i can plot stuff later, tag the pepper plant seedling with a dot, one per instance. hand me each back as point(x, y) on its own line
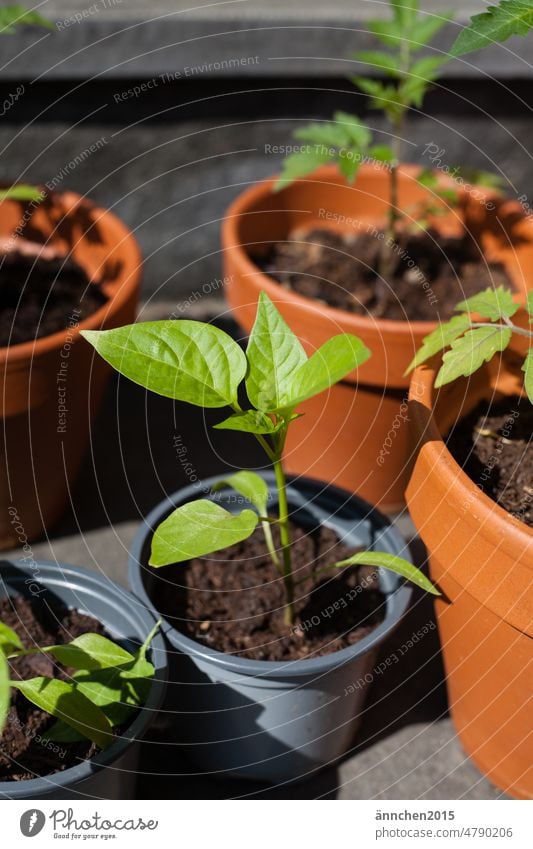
point(12, 17)
point(472, 340)
point(107, 686)
point(195, 362)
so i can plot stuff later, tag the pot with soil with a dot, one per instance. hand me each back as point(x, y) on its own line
point(47, 604)
point(471, 498)
point(255, 697)
point(315, 247)
point(66, 265)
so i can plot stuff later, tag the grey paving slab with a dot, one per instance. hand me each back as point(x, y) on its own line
point(108, 38)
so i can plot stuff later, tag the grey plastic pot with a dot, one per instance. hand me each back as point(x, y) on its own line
point(111, 774)
point(263, 720)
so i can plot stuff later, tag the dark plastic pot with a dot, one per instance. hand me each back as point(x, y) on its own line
point(111, 774)
point(265, 720)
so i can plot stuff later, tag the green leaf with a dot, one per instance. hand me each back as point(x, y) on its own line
point(90, 651)
point(440, 338)
point(251, 486)
point(199, 528)
point(9, 640)
point(491, 303)
point(12, 17)
point(300, 164)
point(21, 192)
point(529, 303)
point(349, 162)
point(327, 133)
point(470, 351)
point(358, 133)
point(384, 97)
point(421, 75)
point(335, 359)
point(5, 691)
point(185, 360)
point(386, 32)
point(405, 12)
point(379, 59)
point(274, 353)
point(527, 368)
point(427, 27)
point(63, 701)
point(382, 153)
point(496, 24)
point(394, 564)
point(251, 421)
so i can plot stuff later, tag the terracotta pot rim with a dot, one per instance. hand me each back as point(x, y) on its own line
point(493, 518)
point(243, 205)
point(120, 293)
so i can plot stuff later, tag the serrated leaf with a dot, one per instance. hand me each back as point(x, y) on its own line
point(328, 133)
point(251, 421)
point(5, 691)
point(89, 652)
point(274, 353)
point(379, 59)
point(21, 192)
point(335, 359)
point(440, 338)
point(199, 528)
point(394, 564)
point(185, 360)
point(491, 303)
point(300, 164)
point(358, 133)
point(63, 701)
point(9, 640)
point(14, 16)
point(496, 24)
point(251, 486)
point(470, 351)
point(527, 368)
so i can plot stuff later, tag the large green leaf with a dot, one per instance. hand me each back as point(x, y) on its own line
point(443, 335)
point(335, 359)
point(274, 353)
point(186, 360)
point(63, 701)
point(9, 640)
point(5, 691)
point(527, 368)
point(496, 24)
point(251, 486)
point(394, 564)
point(470, 351)
point(491, 303)
point(14, 16)
point(199, 528)
point(250, 421)
point(90, 651)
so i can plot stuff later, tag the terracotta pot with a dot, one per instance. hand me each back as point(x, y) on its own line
point(42, 443)
point(356, 434)
point(482, 559)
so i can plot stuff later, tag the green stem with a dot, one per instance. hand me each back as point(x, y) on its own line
point(270, 545)
point(285, 535)
point(520, 331)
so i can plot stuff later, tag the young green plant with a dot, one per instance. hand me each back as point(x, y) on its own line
point(107, 685)
point(195, 362)
point(482, 329)
point(12, 17)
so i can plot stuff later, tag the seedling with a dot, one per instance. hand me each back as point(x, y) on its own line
point(195, 362)
point(12, 17)
point(107, 686)
point(482, 329)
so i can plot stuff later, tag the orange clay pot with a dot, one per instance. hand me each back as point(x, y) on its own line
point(481, 557)
point(42, 444)
point(355, 435)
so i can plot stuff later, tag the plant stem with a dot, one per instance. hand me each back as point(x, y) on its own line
point(520, 331)
point(271, 547)
point(285, 537)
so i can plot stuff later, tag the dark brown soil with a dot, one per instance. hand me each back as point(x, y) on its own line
point(233, 601)
point(24, 750)
point(431, 273)
point(41, 299)
point(494, 445)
